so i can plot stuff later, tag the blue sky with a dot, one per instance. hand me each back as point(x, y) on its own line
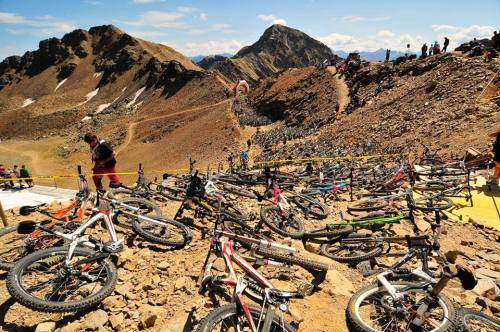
point(217, 26)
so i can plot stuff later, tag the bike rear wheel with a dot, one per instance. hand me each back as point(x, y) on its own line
point(475, 321)
point(311, 206)
point(42, 281)
point(370, 310)
point(351, 253)
point(289, 226)
point(229, 318)
point(170, 232)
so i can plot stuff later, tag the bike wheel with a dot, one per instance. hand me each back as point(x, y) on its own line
point(353, 252)
point(475, 321)
point(146, 208)
point(429, 186)
point(43, 281)
point(229, 318)
point(16, 246)
point(289, 226)
point(433, 204)
point(371, 310)
point(307, 264)
point(367, 205)
point(332, 231)
point(169, 232)
point(311, 206)
point(174, 193)
point(239, 191)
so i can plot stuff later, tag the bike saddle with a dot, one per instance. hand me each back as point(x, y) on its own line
point(26, 227)
point(26, 210)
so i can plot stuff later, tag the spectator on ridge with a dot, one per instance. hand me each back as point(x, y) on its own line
point(430, 50)
point(446, 43)
point(496, 40)
point(103, 158)
point(424, 51)
point(387, 55)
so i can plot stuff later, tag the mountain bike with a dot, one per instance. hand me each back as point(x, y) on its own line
point(394, 305)
point(238, 315)
point(67, 218)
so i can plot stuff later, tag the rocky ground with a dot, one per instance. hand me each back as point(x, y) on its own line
point(157, 288)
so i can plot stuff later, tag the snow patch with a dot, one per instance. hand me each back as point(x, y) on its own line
point(98, 74)
point(125, 88)
point(27, 102)
point(60, 83)
point(101, 108)
point(137, 94)
point(89, 96)
point(87, 118)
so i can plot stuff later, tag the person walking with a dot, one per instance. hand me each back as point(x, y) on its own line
point(25, 174)
point(103, 158)
point(446, 43)
point(424, 51)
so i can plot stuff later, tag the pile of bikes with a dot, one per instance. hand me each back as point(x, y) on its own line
point(64, 263)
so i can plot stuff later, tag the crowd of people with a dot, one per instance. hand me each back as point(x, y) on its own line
point(15, 174)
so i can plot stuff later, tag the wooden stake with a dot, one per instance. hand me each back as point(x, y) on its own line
point(3, 217)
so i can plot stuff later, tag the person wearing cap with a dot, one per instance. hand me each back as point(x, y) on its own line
point(496, 153)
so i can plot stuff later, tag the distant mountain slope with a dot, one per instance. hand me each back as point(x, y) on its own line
point(378, 55)
point(279, 48)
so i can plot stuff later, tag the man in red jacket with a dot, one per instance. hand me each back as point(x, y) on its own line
point(103, 158)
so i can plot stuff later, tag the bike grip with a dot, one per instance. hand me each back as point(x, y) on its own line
point(79, 168)
point(140, 166)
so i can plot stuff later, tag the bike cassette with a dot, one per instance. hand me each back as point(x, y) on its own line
point(113, 247)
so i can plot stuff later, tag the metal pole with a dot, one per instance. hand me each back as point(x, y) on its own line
point(3, 217)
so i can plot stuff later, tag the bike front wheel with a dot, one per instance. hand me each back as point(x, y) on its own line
point(289, 225)
point(371, 309)
point(163, 231)
point(229, 318)
point(44, 281)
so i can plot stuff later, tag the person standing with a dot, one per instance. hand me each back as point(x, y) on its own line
point(446, 43)
point(424, 51)
point(430, 50)
point(387, 55)
point(25, 174)
point(17, 175)
point(103, 158)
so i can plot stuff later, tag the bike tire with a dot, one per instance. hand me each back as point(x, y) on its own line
point(367, 205)
point(172, 192)
point(239, 191)
point(440, 204)
point(331, 232)
point(357, 324)
point(307, 264)
point(311, 206)
point(18, 292)
point(144, 229)
point(152, 208)
point(208, 323)
point(466, 316)
point(265, 211)
point(328, 247)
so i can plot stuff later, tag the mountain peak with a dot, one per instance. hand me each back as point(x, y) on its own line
point(108, 29)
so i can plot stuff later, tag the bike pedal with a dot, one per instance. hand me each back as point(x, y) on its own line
point(113, 247)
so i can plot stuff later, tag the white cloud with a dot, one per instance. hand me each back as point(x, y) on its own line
point(147, 34)
point(352, 19)
point(385, 34)
point(140, 2)
point(209, 47)
point(459, 35)
point(355, 18)
point(203, 17)
point(381, 39)
point(271, 19)
point(11, 18)
point(46, 25)
point(159, 19)
point(93, 2)
point(222, 27)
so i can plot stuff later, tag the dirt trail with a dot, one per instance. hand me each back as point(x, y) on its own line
point(131, 127)
point(341, 87)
